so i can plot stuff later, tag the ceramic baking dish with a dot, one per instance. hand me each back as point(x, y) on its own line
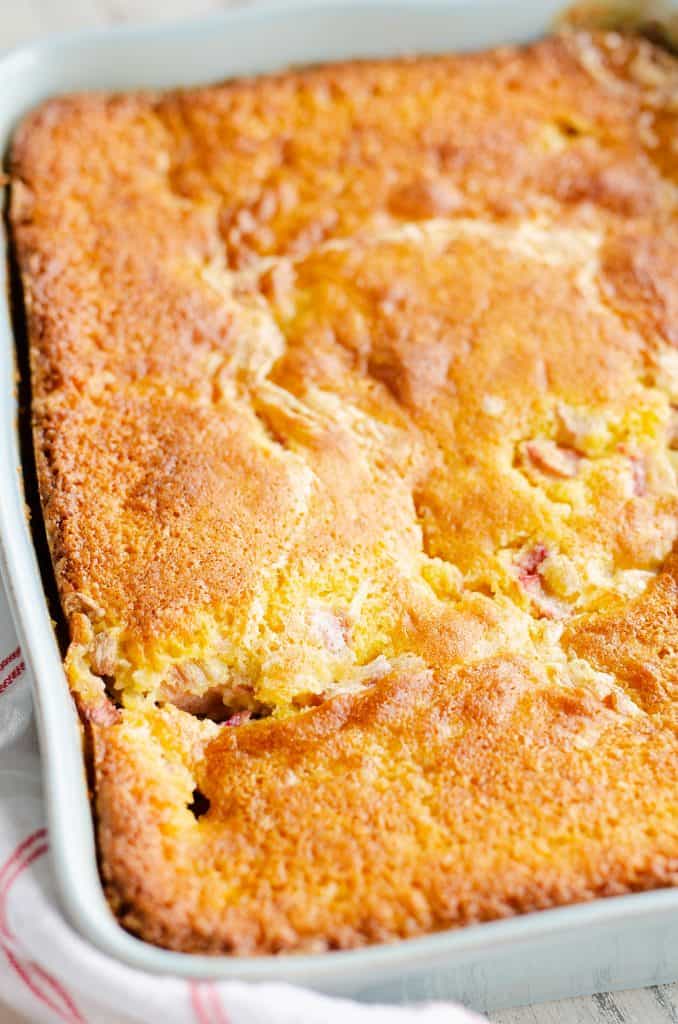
point(623, 942)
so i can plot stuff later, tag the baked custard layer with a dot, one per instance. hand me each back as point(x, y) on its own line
point(355, 400)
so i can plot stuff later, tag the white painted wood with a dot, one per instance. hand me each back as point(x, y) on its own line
point(643, 1006)
point(23, 20)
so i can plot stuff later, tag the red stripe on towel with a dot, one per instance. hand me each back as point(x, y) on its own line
point(214, 1000)
point(12, 677)
point(12, 656)
point(31, 974)
point(201, 1014)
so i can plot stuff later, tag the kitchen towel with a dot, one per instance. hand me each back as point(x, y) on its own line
point(49, 973)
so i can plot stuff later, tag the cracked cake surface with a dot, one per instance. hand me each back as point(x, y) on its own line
point(355, 406)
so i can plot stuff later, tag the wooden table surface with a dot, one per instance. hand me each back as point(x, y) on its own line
point(23, 20)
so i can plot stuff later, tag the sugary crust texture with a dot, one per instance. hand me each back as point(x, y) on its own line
point(355, 398)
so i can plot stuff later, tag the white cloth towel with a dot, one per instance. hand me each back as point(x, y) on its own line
point(50, 974)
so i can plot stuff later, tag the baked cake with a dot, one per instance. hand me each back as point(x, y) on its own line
point(355, 399)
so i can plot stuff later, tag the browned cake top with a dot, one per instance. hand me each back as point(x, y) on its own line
point(355, 399)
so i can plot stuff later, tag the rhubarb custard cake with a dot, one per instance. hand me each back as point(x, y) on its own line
point(355, 408)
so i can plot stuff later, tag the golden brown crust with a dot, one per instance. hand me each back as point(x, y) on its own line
point(421, 805)
point(638, 643)
point(355, 409)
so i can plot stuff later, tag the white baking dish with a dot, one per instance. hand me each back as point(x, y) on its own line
point(623, 942)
